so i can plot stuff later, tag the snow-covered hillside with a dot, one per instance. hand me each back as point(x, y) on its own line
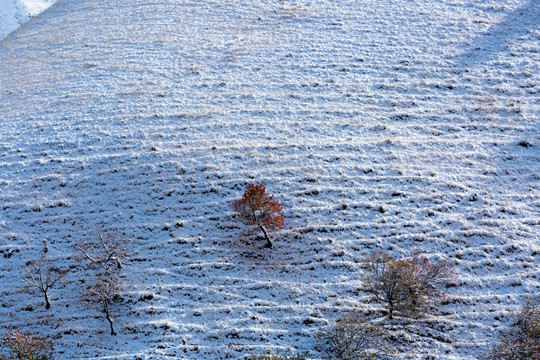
point(380, 125)
point(13, 13)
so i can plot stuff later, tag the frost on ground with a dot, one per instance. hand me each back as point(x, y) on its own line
point(13, 13)
point(380, 125)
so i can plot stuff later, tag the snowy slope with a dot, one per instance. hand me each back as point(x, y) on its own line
point(379, 125)
point(13, 13)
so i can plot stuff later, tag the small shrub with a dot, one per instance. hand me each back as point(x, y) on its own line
point(522, 341)
point(352, 338)
point(407, 286)
point(528, 319)
point(259, 209)
point(23, 346)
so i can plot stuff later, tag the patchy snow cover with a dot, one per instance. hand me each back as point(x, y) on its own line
point(13, 13)
point(388, 125)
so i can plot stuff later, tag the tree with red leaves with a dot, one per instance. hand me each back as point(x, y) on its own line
point(259, 209)
point(432, 276)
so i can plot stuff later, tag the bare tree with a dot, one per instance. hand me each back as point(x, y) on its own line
point(522, 340)
point(431, 276)
point(528, 319)
point(107, 250)
point(104, 295)
point(40, 277)
point(352, 337)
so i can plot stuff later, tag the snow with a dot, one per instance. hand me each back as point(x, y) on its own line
point(13, 13)
point(380, 125)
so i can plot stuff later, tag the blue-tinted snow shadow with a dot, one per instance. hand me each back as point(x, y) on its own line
point(485, 47)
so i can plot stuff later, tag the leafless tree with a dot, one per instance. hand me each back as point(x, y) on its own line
point(104, 295)
point(40, 277)
point(522, 340)
point(432, 276)
point(352, 338)
point(107, 250)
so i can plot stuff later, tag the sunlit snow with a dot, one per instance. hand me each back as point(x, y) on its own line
point(379, 124)
point(13, 13)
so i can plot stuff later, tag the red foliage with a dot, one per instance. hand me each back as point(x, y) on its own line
point(259, 209)
point(432, 276)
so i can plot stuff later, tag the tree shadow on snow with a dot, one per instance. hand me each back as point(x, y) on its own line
point(521, 22)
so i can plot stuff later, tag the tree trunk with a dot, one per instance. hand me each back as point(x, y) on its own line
point(110, 320)
point(47, 302)
point(268, 242)
point(390, 309)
